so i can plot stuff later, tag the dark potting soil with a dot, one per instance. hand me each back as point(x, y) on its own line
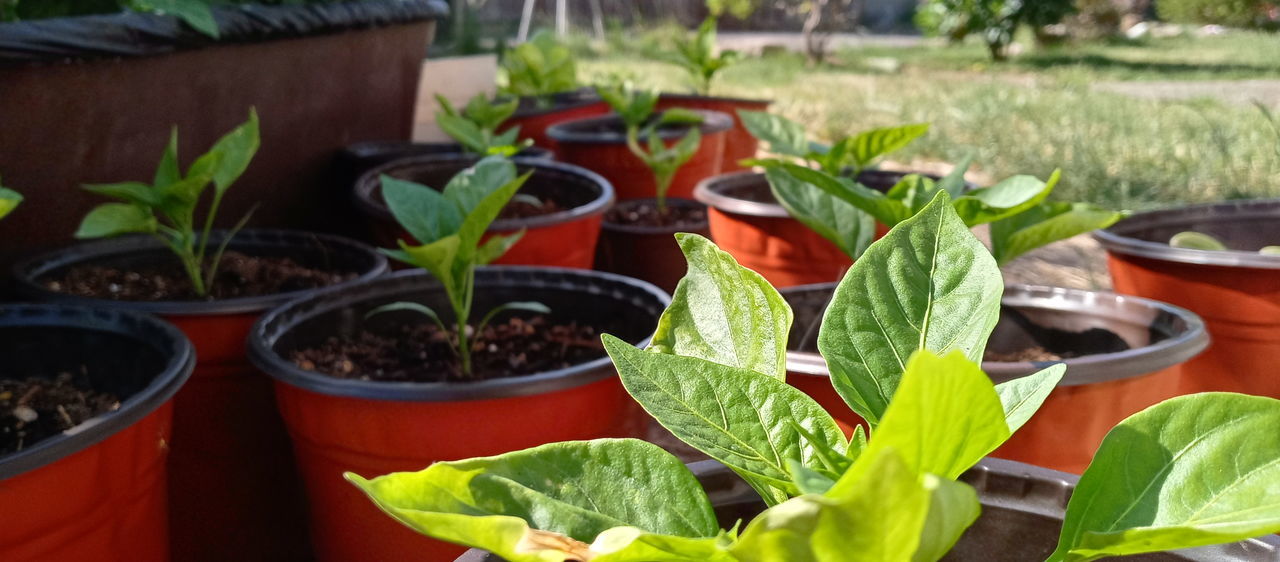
point(645, 213)
point(517, 209)
point(238, 276)
point(1035, 353)
point(36, 408)
point(424, 353)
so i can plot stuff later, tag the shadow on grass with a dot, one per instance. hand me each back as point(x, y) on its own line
point(1045, 61)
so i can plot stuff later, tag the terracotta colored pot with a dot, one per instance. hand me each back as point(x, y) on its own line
point(534, 119)
point(1131, 355)
point(739, 144)
point(1022, 511)
point(646, 252)
point(747, 221)
point(1236, 292)
point(565, 238)
point(220, 504)
point(374, 428)
point(599, 144)
point(98, 492)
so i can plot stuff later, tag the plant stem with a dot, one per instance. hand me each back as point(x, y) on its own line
point(462, 310)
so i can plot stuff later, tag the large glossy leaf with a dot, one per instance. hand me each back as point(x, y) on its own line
point(112, 219)
point(866, 146)
point(1004, 199)
point(783, 135)
point(1044, 224)
point(1191, 471)
point(742, 418)
point(9, 200)
point(724, 313)
point(953, 507)
point(628, 544)
point(1021, 397)
point(928, 284)
point(426, 214)
point(848, 227)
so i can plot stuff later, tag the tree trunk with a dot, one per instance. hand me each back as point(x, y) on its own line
point(815, 49)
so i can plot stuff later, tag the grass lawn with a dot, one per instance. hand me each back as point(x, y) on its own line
point(1033, 114)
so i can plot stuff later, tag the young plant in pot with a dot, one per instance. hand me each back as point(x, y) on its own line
point(470, 360)
point(212, 284)
point(701, 60)
point(9, 200)
point(714, 375)
point(543, 76)
point(636, 240)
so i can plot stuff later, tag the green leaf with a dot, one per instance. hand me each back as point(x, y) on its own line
point(407, 306)
point(168, 171)
point(439, 257)
point(578, 488)
point(628, 544)
point(808, 480)
point(1269, 250)
point(831, 217)
point(954, 183)
point(424, 212)
point(680, 116)
point(739, 417)
point(1192, 471)
point(113, 219)
point(526, 306)
point(953, 507)
point(461, 129)
point(1005, 199)
point(486, 210)
point(1044, 224)
point(724, 313)
point(195, 13)
point(497, 246)
point(1197, 241)
point(129, 192)
point(869, 145)
point(928, 284)
point(539, 67)
point(888, 211)
point(230, 156)
point(487, 115)
point(1023, 396)
point(9, 200)
point(783, 135)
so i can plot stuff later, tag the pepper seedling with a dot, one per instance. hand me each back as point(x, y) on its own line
point(539, 68)
point(475, 126)
point(698, 56)
point(449, 226)
point(1199, 241)
point(902, 336)
point(635, 108)
point(166, 208)
point(849, 156)
point(9, 200)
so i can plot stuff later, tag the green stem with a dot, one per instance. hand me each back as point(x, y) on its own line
point(208, 225)
point(661, 180)
point(462, 309)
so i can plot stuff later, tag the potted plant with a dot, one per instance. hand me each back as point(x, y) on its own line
point(698, 56)
point(543, 75)
point(82, 71)
point(1232, 288)
point(381, 377)
point(713, 375)
point(212, 284)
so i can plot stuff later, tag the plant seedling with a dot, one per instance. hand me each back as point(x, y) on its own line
point(635, 107)
point(1199, 241)
point(166, 208)
point(9, 200)
point(474, 127)
point(539, 67)
point(902, 335)
point(698, 57)
point(850, 156)
point(449, 225)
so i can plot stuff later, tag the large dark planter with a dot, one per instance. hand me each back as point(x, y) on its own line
point(97, 492)
point(102, 92)
point(1132, 352)
point(739, 143)
point(221, 505)
point(646, 252)
point(565, 238)
point(1236, 292)
point(599, 144)
point(534, 117)
point(747, 221)
point(373, 428)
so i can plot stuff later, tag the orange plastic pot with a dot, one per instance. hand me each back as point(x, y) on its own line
point(1236, 292)
point(221, 503)
point(565, 238)
point(599, 144)
point(1131, 355)
point(373, 428)
point(534, 118)
point(739, 143)
point(649, 253)
point(96, 493)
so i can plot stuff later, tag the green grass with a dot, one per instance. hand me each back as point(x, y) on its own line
point(1022, 118)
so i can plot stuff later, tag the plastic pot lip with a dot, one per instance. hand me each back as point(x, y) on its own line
point(561, 101)
point(712, 192)
point(1116, 239)
point(27, 273)
point(368, 149)
point(165, 338)
point(655, 230)
point(365, 201)
point(761, 103)
point(1088, 369)
point(569, 132)
point(264, 335)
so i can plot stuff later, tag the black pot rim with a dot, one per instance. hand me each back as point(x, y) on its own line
point(569, 131)
point(262, 354)
point(368, 181)
point(438, 149)
point(655, 230)
point(179, 353)
point(1116, 239)
point(28, 272)
point(729, 99)
point(561, 101)
point(1088, 369)
point(711, 191)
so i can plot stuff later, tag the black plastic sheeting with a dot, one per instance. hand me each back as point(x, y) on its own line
point(133, 34)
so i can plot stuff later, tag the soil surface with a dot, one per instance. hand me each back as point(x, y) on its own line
point(1029, 354)
point(238, 276)
point(645, 213)
point(37, 408)
point(424, 353)
point(521, 209)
